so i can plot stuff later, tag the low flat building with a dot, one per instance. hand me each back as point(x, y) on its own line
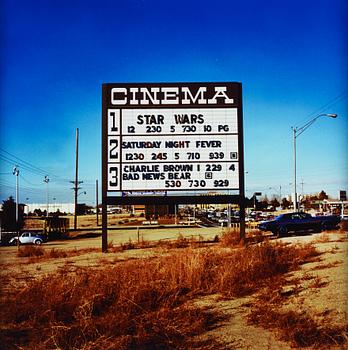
point(68, 208)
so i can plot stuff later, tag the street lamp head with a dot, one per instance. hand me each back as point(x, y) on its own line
point(330, 115)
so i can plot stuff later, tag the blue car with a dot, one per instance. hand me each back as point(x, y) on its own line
point(294, 222)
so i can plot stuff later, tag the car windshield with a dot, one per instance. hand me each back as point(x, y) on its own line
point(292, 216)
point(281, 217)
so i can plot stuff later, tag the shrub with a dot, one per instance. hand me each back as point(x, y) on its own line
point(344, 226)
point(30, 251)
point(57, 253)
point(300, 328)
point(230, 238)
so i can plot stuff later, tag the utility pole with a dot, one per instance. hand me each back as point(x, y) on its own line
point(16, 173)
point(96, 200)
point(46, 180)
point(229, 215)
point(280, 193)
point(76, 176)
point(302, 183)
point(295, 171)
point(76, 182)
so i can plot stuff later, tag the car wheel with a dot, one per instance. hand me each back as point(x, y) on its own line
point(282, 231)
point(38, 242)
point(275, 233)
point(317, 229)
point(325, 226)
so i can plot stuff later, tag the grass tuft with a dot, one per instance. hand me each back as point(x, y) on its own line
point(300, 328)
point(57, 253)
point(30, 251)
point(230, 238)
point(344, 226)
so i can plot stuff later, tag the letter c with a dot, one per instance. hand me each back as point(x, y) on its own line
point(114, 94)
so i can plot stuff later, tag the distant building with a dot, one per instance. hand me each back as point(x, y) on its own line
point(336, 207)
point(68, 208)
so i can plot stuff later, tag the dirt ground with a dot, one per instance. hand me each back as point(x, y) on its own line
point(319, 288)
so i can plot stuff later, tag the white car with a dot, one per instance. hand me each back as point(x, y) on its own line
point(28, 238)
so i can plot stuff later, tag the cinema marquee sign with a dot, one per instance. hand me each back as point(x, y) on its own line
point(172, 137)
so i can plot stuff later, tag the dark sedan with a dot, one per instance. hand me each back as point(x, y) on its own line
point(293, 222)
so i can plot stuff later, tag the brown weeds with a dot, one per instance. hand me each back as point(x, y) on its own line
point(37, 253)
point(344, 226)
point(299, 328)
point(317, 283)
point(328, 265)
point(230, 238)
point(323, 238)
point(57, 253)
point(30, 251)
point(140, 304)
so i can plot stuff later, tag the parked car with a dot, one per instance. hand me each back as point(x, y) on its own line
point(299, 221)
point(29, 238)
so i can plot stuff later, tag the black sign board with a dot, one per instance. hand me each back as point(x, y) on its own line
point(343, 195)
point(181, 140)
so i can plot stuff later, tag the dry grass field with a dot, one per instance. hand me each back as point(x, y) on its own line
point(90, 221)
point(193, 291)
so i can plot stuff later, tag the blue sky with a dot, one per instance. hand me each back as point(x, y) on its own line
point(291, 57)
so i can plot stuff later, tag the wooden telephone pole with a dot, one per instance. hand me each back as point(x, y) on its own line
point(76, 183)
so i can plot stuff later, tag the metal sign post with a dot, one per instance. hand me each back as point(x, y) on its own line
point(184, 140)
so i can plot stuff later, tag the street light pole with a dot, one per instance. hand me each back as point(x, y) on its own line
point(297, 131)
point(46, 180)
point(16, 173)
point(295, 172)
point(96, 200)
point(76, 177)
point(280, 193)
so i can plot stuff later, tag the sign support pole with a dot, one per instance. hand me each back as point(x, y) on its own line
point(104, 228)
point(104, 181)
point(97, 201)
point(241, 168)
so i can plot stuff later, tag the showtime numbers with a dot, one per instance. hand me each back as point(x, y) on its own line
point(148, 156)
point(216, 155)
point(221, 183)
point(193, 155)
point(153, 128)
point(196, 183)
point(172, 184)
point(135, 156)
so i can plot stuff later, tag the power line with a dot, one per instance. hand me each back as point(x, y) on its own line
point(12, 162)
point(28, 182)
point(26, 165)
point(23, 161)
point(324, 107)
